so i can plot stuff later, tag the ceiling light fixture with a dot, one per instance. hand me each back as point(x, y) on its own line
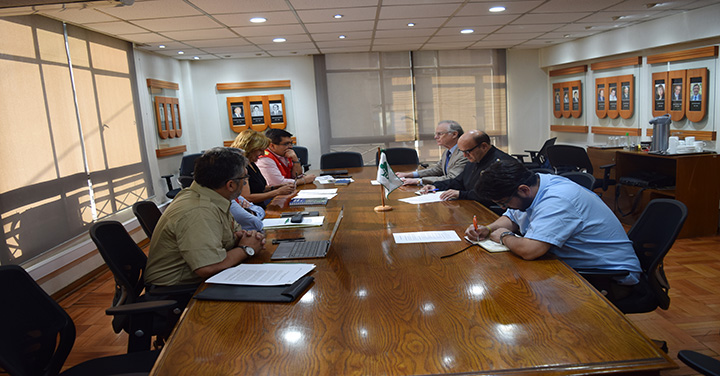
point(181, 52)
point(338, 16)
point(258, 19)
point(196, 57)
point(566, 36)
point(411, 24)
point(467, 31)
point(342, 37)
point(161, 46)
point(279, 40)
point(651, 5)
point(497, 9)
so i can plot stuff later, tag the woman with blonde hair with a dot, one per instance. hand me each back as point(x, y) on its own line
point(257, 191)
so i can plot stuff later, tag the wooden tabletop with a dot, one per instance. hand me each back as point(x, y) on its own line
point(381, 308)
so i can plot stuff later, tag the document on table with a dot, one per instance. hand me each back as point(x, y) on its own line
point(325, 179)
point(262, 274)
point(426, 237)
point(489, 245)
point(317, 193)
point(274, 223)
point(423, 199)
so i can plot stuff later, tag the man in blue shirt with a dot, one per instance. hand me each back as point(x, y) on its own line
point(551, 214)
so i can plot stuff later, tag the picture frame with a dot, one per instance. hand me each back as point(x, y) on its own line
point(557, 100)
point(276, 107)
point(626, 89)
point(167, 117)
point(600, 98)
point(237, 113)
point(697, 93)
point(576, 98)
point(659, 97)
point(677, 99)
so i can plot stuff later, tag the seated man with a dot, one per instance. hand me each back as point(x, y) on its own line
point(248, 215)
point(280, 165)
point(475, 146)
point(551, 214)
point(197, 236)
point(449, 166)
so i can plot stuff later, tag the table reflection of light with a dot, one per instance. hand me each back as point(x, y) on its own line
point(309, 297)
point(292, 336)
point(361, 293)
point(363, 332)
point(428, 307)
point(448, 361)
point(506, 331)
point(477, 290)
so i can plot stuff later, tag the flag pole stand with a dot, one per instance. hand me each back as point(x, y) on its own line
point(383, 207)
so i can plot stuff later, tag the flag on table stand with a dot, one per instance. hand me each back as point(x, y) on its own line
point(386, 177)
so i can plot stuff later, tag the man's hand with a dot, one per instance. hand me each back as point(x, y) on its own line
point(252, 239)
point(410, 181)
point(404, 174)
point(450, 194)
point(284, 189)
point(481, 233)
point(427, 188)
point(307, 179)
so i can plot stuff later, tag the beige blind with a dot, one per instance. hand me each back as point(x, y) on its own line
point(47, 194)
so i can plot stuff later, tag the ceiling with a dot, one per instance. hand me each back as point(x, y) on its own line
point(221, 29)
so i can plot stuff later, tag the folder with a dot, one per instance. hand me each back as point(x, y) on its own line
point(245, 293)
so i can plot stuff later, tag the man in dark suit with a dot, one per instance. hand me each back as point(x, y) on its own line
point(696, 93)
point(451, 163)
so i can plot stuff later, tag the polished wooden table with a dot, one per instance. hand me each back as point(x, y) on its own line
point(381, 308)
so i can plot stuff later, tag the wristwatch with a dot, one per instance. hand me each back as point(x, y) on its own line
point(507, 233)
point(248, 250)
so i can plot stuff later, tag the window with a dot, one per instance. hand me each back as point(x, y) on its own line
point(63, 165)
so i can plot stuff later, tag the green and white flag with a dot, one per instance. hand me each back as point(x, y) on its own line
point(386, 176)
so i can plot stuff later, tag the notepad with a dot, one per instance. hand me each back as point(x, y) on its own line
point(489, 245)
point(299, 201)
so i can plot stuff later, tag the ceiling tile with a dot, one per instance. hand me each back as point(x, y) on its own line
point(568, 6)
point(235, 49)
point(177, 23)
point(331, 4)
point(290, 39)
point(407, 32)
point(471, 21)
point(283, 46)
point(235, 6)
point(224, 42)
point(386, 41)
point(549, 18)
point(275, 31)
point(512, 7)
point(350, 35)
point(418, 11)
point(470, 39)
point(344, 50)
point(117, 27)
point(513, 36)
point(444, 46)
point(396, 47)
point(199, 34)
point(343, 43)
point(401, 23)
point(349, 14)
point(144, 38)
point(455, 31)
point(168, 46)
point(528, 28)
point(243, 19)
point(80, 16)
point(153, 9)
point(340, 28)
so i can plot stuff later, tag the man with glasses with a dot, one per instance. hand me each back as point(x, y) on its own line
point(551, 214)
point(475, 146)
point(449, 166)
point(280, 165)
point(197, 236)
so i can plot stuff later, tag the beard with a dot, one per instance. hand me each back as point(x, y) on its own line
point(525, 203)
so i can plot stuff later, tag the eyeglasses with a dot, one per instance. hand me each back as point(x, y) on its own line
point(504, 203)
point(240, 177)
point(286, 143)
point(469, 150)
point(439, 134)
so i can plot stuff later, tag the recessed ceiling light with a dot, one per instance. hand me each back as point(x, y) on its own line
point(161, 46)
point(181, 52)
point(411, 24)
point(196, 57)
point(342, 37)
point(497, 9)
point(566, 36)
point(467, 31)
point(338, 16)
point(258, 19)
point(279, 40)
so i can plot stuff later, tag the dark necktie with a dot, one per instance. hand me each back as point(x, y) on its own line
point(447, 159)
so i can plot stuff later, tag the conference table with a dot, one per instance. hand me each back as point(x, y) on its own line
point(380, 308)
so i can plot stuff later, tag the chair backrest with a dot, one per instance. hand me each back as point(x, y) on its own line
point(542, 158)
point(341, 159)
point(126, 261)
point(582, 178)
point(399, 156)
point(148, 215)
point(652, 236)
point(565, 158)
point(303, 156)
point(187, 167)
point(37, 334)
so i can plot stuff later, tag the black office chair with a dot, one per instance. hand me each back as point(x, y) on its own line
point(302, 154)
point(187, 166)
point(652, 237)
point(341, 159)
point(37, 334)
point(127, 262)
point(582, 178)
point(539, 158)
point(566, 158)
point(148, 214)
point(399, 156)
point(702, 363)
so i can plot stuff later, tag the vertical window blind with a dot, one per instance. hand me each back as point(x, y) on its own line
point(71, 150)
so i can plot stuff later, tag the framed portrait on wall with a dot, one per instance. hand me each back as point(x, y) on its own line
point(600, 98)
point(627, 95)
point(696, 94)
point(576, 98)
point(659, 88)
point(167, 114)
point(237, 113)
point(557, 100)
point(276, 105)
point(566, 101)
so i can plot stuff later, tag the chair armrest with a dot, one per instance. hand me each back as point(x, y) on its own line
point(168, 181)
point(171, 290)
point(520, 157)
point(700, 362)
point(142, 307)
point(424, 165)
point(606, 176)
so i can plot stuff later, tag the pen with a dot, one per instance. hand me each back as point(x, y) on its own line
point(433, 190)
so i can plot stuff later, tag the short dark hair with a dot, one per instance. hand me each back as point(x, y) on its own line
point(218, 165)
point(276, 135)
point(503, 178)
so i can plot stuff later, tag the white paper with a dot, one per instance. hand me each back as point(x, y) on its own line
point(426, 237)
point(423, 199)
point(262, 274)
point(374, 182)
point(317, 193)
point(325, 179)
point(271, 223)
point(489, 245)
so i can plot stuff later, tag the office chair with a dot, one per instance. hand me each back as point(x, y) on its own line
point(582, 178)
point(148, 214)
point(702, 363)
point(539, 158)
point(341, 159)
point(399, 156)
point(187, 166)
point(302, 154)
point(566, 158)
point(37, 334)
point(652, 237)
point(127, 262)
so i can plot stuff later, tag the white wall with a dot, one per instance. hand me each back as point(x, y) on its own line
point(527, 101)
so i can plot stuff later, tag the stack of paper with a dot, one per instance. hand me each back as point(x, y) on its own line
point(425, 237)
point(317, 193)
point(325, 179)
point(423, 199)
point(275, 223)
point(262, 274)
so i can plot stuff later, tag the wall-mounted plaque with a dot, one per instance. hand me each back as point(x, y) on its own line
point(659, 82)
point(627, 95)
point(600, 98)
point(697, 92)
point(557, 100)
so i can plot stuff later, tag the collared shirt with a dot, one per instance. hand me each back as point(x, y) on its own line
point(448, 154)
point(270, 170)
point(196, 230)
point(582, 230)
